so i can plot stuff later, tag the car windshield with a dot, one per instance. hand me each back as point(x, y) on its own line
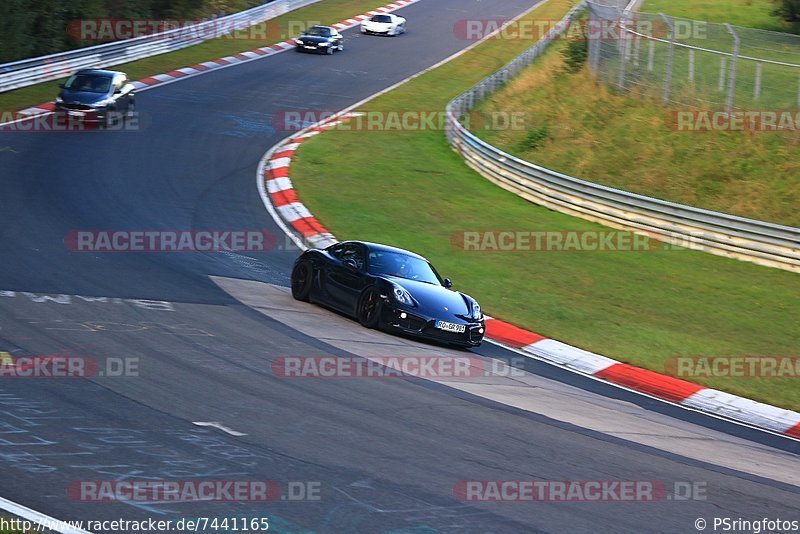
point(402, 266)
point(318, 31)
point(88, 83)
point(381, 18)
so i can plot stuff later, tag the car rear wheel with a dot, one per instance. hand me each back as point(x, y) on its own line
point(369, 308)
point(302, 278)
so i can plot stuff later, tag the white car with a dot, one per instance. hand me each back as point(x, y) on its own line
point(387, 24)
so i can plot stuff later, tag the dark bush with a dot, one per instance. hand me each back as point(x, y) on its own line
point(575, 54)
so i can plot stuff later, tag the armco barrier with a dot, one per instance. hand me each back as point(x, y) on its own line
point(760, 242)
point(45, 68)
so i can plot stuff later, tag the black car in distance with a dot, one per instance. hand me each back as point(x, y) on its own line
point(324, 39)
point(388, 288)
point(94, 95)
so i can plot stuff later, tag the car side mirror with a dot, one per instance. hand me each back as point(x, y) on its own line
point(448, 283)
point(350, 264)
point(62, 86)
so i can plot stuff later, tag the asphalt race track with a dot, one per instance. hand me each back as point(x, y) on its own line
point(385, 454)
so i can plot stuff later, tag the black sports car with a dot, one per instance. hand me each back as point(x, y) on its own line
point(97, 95)
point(320, 39)
point(388, 288)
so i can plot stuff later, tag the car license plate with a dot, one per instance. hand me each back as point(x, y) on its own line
point(307, 46)
point(450, 327)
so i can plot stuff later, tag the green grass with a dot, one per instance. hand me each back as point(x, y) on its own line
point(325, 12)
point(749, 13)
point(410, 189)
point(630, 143)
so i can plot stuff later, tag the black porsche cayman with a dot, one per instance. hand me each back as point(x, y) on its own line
point(388, 288)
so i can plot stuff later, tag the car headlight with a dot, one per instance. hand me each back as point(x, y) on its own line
point(298, 41)
point(402, 296)
point(59, 100)
point(476, 310)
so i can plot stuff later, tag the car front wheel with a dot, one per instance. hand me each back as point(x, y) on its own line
point(302, 278)
point(369, 308)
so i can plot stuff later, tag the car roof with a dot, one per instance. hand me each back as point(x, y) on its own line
point(99, 72)
point(321, 26)
point(385, 248)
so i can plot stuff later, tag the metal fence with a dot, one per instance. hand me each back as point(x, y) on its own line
point(718, 233)
point(53, 67)
point(694, 64)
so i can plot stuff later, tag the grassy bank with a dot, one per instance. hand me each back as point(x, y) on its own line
point(325, 12)
point(408, 188)
point(750, 13)
point(587, 130)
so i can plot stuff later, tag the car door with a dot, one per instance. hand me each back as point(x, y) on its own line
point(343, 283)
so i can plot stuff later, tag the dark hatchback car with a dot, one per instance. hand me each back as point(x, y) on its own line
point(388, 288)
point(97, 95)
point(320, 39)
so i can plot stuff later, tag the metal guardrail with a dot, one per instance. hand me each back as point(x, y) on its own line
point(686, 226)
point(46, 68)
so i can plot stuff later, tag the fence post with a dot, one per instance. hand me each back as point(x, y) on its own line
point(670, 51)
point(732, 71)
point(595, 41)
point(691, 64)
point(623, 50)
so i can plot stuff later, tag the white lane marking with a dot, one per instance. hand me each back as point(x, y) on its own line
point(278, 184)
point(569, 356)
point(161, 305)
point(39, 518)
point(294, 212)
point(743, 409)
point(219, 426)
point(277, 163)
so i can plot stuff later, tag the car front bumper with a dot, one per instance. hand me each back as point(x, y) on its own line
point(81, 113)
point(311, 47)
point(376, 31)
point(417, 325)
